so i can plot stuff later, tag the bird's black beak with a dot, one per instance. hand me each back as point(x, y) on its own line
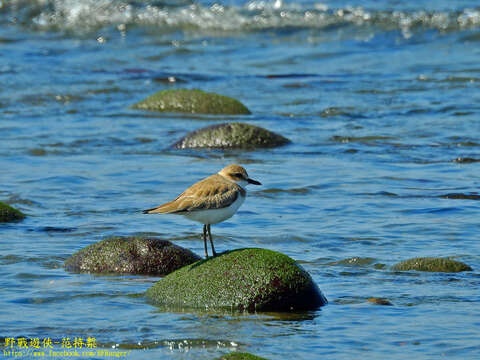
point(254, 182)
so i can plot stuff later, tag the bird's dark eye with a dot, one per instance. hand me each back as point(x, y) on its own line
point(238, 175)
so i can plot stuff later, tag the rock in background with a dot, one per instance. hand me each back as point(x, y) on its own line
point(192, 102)
point(432, 264)
point(131, 255)
point(235, 135)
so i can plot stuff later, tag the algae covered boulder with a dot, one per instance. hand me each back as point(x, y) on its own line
point(244, 280)
point(193, 102)
point(432, 264)
point(233, 135)
point(131, 255)
point(8, 213)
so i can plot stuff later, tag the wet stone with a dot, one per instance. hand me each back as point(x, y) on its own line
point(379, 301)
point(231, 136)
point(466, 160)
point(8, 213)
point(460, 196)
point(354, 261)
point(240, 356)
point(192, 102)
point(335, 111)
point(360, 139)
point(131, 255)
point(243, 280)
point(432, 264)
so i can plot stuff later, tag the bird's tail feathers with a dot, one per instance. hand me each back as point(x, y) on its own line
point(162, 209)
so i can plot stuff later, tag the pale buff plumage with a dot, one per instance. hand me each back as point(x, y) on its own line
point(211, 200)
point(213, 192)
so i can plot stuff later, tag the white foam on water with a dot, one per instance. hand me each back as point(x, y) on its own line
point(90, 15)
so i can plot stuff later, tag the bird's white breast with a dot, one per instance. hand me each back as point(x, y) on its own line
point(214, 216)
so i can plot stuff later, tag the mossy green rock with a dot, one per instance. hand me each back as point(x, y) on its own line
point(8, 213)
point(193, 102)
point(131, 255)
point(240, 356)
point(432, 264)
point(244, 280)
point(233, 135)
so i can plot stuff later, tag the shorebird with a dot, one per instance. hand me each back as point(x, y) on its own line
point(211, 200)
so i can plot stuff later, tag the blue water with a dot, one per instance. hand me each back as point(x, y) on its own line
point(381, 102)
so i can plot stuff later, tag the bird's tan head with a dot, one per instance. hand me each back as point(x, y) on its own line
point(238, 175)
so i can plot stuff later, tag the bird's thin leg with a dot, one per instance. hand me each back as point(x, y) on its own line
point(205, 240)
point(211, 240)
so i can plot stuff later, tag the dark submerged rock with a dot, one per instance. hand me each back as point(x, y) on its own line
point(466, 160)
point(460, 196)
point(240, 356)
point(8, 213)
point(234, 135)
point(360, 139)
point(193, 102)
point(354, 261)
point(131, 255)
point(243, 280)
point(334, 111)
point(432, 264)
point(379, 301)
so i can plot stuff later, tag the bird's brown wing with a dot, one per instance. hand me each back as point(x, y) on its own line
point(213, 192)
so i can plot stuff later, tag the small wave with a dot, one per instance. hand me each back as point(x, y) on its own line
point(90, 15)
